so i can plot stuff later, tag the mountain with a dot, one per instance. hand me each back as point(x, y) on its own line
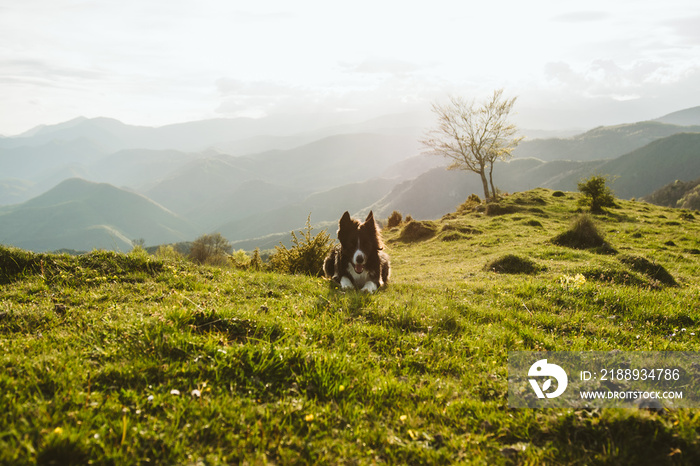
point(83, 215)
point(264, 185)
point(636, 174)
point(324, 207)
point(605, 142)
point(209, 188)
point(687, 117)
point(254, 135)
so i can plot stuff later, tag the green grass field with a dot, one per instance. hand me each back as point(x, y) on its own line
point(126, 359)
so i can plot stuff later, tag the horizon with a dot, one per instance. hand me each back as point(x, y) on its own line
point(571, 66)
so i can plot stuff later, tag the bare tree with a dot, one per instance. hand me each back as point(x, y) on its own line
point(474, 136)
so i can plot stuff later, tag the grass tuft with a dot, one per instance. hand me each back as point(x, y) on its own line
point(583, 234)
point(513, 264)
point(415, 231)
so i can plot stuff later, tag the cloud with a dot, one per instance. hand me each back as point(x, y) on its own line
point(582, 17)
point(360, 91)
point(686, 29)
point(606, 78)
point(46, 74)
point(383, 66)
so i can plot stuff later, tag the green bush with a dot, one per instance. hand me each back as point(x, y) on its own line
point(306, 255)
point(239, 259)
point(596, 193)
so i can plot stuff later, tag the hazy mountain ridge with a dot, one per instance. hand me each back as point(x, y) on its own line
point(348, 167)
point(605, 142)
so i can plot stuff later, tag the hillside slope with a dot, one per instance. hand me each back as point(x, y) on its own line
point(82, 215)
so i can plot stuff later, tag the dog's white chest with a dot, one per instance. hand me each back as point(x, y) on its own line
point(358, 278)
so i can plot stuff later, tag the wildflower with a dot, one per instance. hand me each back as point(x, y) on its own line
point(174, 392)
point(403, 417)
point(309, 417)
point(150, 398)
point(196, 393)
point(341, 388)
point(58, 430)
point(568, 282)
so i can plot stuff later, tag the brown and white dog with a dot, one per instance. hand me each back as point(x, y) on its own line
point(358, 261)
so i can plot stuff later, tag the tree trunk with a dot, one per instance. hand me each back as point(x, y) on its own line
point(493, 188)
point(485, 182)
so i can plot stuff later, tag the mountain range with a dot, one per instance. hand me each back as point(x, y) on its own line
point(99, 183)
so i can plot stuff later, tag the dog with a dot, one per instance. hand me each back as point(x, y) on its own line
point(358, 261)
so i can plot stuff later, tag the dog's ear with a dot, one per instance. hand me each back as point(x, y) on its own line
point(369, 222)
point(371, 225)
point(345, 223)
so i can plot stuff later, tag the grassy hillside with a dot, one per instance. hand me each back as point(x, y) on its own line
point(126, 359)
point(78, 214)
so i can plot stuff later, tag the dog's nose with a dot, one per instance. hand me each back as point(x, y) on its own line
point(360, 259)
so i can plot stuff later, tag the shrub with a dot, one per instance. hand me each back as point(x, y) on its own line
point(210, 249)
point(558, 194)
point(394, 219)
point(168, 252)
point(596, 193)
point(256, 262)
point(510, 263)
point(239, 259)
point(583, 234)
point(306, 255)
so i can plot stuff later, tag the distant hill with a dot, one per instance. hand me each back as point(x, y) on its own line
point(324, 207)
point(199, 177)
point(681, 194)
point(687, 117)
point(82, 215)
point(636, 174)
point(605, 142)
point(213, 184)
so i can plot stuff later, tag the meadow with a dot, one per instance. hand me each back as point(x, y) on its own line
point(114, 358)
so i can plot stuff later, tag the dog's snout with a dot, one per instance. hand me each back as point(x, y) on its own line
point(360, 259)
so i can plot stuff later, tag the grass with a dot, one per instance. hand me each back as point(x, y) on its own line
point(125, 359)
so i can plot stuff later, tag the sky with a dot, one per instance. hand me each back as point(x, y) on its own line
point(571, 64)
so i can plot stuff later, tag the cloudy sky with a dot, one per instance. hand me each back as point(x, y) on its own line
point(572, 64)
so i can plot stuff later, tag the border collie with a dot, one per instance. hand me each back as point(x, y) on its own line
point(358, 261)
